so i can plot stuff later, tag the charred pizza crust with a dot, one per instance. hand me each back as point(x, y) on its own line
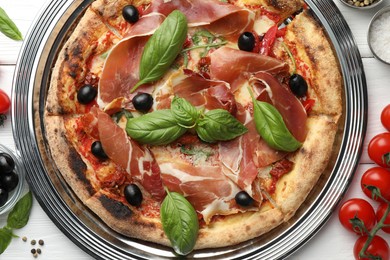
point(71, 70)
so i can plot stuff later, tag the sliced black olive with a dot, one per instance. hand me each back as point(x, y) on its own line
point(143, 102)
point(7, 163)
point(246, 41)
point(243, 199)
point(298, 85)
point(97, 150)
point(3, 196)
point(9, 181)
point(86, 94)
point(133, 195)
point(130, 13)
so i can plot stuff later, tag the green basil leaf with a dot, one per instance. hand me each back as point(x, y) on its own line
point(180, 222)
point(8, 27)
point(5, 238)
point(219, 125)
point(184, 113)
point(271, 127)
point(155, 128)
point(118, 115)
point(19, 215)
point(162, 48)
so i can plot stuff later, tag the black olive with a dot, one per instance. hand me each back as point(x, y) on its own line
point(243, 199)
point(133, 195)
point(143, 102)
point(97, 150)
point(3, 196)
point(7, 163)
point(86, 94)
point(9, 181)
point(246, 41)
point(298, 85)
point(130, 13)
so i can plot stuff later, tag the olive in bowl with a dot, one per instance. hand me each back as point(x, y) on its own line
point(11, 179)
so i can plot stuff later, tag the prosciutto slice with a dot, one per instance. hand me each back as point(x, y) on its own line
point(236, 66)
point(137, 160)
point(121, 69)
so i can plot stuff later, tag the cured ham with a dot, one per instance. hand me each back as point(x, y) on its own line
point(121, 68)
point(137, 160)
point(235, 66)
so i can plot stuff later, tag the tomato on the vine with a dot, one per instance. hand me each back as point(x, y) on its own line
point(355, 211)
point(5, 102)
point(385, 117)
point(377, 248)
point(376, 177)
point(379, 149)
point(379, 214)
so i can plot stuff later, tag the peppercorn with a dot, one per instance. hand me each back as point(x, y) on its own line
point(33, 242)
point(39, 251)
point(41, 242)
point(35, 255)
point(24, 239)
point(33, 251)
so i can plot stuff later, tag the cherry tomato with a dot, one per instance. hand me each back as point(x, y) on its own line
point(385, 117)
point(353, 211)
point(378, 247)
point(379, 149)
point(378, 177)
point(268, 40)
point(379, 214)
point(5, 102)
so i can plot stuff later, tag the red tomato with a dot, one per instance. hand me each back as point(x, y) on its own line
point(268, 40)
point(378, 177)
point(385, 117)
point(379, 214)
point(355, 211)
point(378, 247)
point(379, 149)
point(5, 103)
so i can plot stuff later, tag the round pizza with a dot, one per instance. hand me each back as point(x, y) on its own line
point(194, 123)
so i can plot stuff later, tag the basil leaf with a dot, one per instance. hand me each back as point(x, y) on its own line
point(155, 128)
point(184, 113)
point(5, 238)
point(8, 27)
point(19, 215)
point(162, 48)
point(219, 125)
point(118, 115)
point(270, 125)
point(180, 222)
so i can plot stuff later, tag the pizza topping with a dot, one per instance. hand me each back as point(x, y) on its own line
point(246, 41)
point(298, 85)
point(268, 40)
point(133, 194)
point(185, 114)
point(180, 222)
point(86, 94)
point(162, 48)
point(130, 13)
point(243, 199)
point(97, 150)
point(142, 102)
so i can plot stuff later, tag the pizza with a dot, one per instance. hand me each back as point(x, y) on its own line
point(194, 123)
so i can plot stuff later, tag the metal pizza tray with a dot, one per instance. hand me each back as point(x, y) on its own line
point(86, 230)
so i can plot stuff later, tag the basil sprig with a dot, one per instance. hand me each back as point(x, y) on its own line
point(8, 27)
point(271, 127)
point(219, 125)
point(17, 218)
point(162, 48)
point(180, 222)
point(162, 127)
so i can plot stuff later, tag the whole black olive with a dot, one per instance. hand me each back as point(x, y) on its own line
point(243, 199)
point(298, 85)
point(3, 196)
point(9, 181)
point(130, 13)
point(133, 195)
point(143, 102)
point(97, 150)
point(7, 163)
point(246, 41)
point(86, 94)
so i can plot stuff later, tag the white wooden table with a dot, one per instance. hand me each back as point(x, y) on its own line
point(332, 242)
